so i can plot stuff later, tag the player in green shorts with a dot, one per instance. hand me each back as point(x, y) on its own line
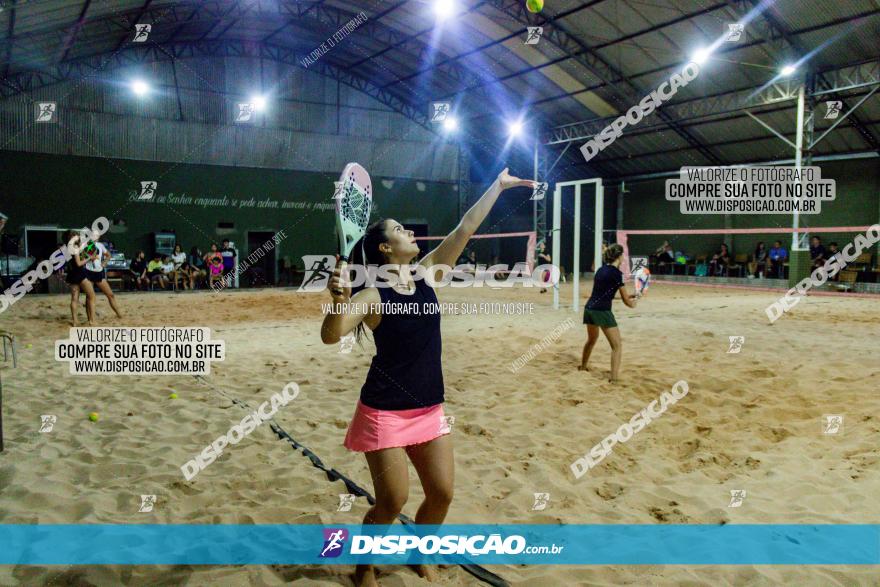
point(598, 314)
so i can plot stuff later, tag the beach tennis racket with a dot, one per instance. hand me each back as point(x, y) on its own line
point(90, 251)
point(642, 279)
point(354, 200)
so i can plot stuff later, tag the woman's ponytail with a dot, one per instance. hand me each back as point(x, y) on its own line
point(366, 253)
point(612, 253)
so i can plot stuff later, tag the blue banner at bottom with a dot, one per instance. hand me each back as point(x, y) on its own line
point(531, 544)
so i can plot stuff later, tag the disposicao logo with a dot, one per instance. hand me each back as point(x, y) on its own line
point(334, 539)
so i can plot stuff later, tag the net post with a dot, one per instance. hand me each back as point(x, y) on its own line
point(557, 221)
point(535, 202)
point(11, 338)
point(530, 251)
point(798, 154)
point(600, 224)
point(799, 266)
point(622, 241)
point(576, 262)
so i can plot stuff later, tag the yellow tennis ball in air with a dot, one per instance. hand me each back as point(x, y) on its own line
point(172, 396)
point(535, 5)
point(93, 416)
point(28, 346)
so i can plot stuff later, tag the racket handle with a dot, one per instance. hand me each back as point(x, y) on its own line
point(341, 266)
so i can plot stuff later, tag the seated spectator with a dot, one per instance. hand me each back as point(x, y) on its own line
point(215, 271)
point(138, 271)
point(665, 259)
point(184, 270)
point(832, 249)
point(831, 252)
point(167, 269)
point(817, 252)
point(778, 255)
point(181, 267)
point(154, 271)
point(720, 262)
point(228, 254)
point(197, 269)
point(758, 264)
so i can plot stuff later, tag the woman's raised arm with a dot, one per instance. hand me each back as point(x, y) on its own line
point(448, 251)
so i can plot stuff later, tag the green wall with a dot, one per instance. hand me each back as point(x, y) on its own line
point(857, 204)
point(72, 191)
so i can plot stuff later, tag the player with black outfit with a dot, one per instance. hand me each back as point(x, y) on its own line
point(598, 314)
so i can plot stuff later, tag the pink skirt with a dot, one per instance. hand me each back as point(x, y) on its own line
point(373, 429)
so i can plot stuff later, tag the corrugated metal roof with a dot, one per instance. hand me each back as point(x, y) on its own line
point(595, 59)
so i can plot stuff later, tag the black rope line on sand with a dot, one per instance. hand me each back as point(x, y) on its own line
point(333, 475)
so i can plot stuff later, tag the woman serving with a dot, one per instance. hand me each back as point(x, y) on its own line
point(400, 411)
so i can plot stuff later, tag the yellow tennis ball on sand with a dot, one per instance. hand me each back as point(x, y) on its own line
point(535, 5)
point(93, 416)
point(172, 396)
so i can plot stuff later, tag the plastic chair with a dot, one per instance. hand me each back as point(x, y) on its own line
point(847, 280)
point(739, 262)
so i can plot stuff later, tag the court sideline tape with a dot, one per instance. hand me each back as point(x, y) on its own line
point(333, 475)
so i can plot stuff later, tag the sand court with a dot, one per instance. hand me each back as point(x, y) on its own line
point(381, 294)
point(752, 421)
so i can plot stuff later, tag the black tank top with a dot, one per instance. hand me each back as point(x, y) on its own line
point(406, 372)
